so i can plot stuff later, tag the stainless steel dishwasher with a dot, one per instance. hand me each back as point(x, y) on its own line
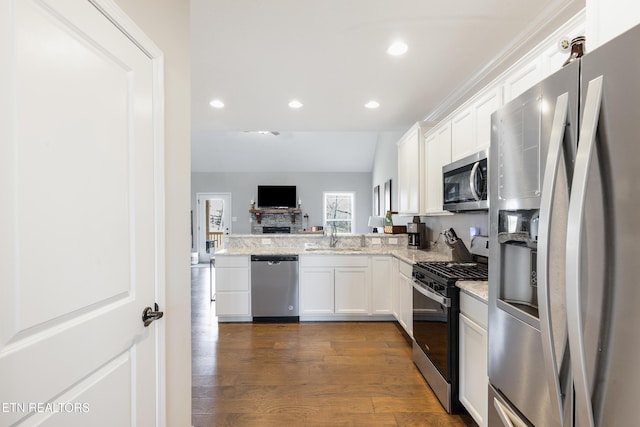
point(274, 288)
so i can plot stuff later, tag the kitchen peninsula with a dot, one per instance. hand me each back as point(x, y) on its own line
point(363, 277)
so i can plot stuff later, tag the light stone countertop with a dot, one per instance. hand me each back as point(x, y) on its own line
point(479, 289)
point(405, 254)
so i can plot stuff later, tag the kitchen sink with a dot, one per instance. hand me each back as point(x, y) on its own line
point(315, 249)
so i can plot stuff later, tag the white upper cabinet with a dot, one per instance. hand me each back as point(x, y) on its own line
point(483, 107)
point(607, 19)
point(409, 171)
point(462, 133)
point(437, 154)
point(522, 77)
point(471, 124)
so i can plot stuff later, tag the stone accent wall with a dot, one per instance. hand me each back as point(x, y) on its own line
point(276, 220)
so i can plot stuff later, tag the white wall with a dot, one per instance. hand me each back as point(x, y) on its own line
point(385, 165)
point(167, 23)
point(310, 185)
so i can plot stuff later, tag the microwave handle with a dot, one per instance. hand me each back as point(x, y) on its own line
point(472, 181)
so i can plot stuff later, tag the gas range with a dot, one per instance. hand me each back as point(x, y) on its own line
point(442, 275)
point(436, 306)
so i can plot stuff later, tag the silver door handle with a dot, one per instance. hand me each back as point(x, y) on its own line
point(586, 147)
point(431, 295)
point(472, 181)
point(546, 214)
point(149, 315)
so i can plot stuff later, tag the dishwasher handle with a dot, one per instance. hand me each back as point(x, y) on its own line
point(273, 259)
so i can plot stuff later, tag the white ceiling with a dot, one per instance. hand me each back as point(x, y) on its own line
point(257, 55)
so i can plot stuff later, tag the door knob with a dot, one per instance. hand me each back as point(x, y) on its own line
point(149, 314)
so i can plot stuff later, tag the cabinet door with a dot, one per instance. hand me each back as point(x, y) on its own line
point(406, 304)
point(522, 78)
point(395, 288)
point(316, 290)
point(381, 287)
point(351, 290)
point(232, 279)
point(473, 369)
point(607, 19)
point(483, 107)
point(409, 171)
point(462, 136)
point(232, 304)
point(437, 154)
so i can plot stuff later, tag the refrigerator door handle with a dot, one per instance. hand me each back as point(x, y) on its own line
point(508, 418)
point(546, 212)
point(586, 147)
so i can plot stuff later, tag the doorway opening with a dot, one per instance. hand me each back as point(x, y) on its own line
point(214, 222)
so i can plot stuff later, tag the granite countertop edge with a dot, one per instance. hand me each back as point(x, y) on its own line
point(477, 289)
point(404, 254)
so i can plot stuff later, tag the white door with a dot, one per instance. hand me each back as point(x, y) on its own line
point(81, 223)
point(214, 216)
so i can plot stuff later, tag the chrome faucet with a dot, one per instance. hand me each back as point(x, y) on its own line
point(333, 238)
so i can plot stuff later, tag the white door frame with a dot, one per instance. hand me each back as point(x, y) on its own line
point(128, 27)
point(116, 15)
point(200, 225)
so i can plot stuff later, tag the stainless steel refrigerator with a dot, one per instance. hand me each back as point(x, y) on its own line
point(564, 270)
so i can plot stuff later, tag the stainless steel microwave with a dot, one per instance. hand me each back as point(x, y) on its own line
point(465, 184)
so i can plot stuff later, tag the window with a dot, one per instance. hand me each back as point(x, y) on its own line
point(339, 209)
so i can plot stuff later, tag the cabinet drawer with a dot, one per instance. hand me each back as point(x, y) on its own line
point(406, 269)
point(232, 279)
point(474, 309)
point(232, 261)
point(334, 261)
point(232, 304)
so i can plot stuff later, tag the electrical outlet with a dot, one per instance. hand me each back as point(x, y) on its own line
point(266, 241)
point(393, 240)
point(376, 241)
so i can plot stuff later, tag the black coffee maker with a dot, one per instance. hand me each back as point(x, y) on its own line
point(417, 232)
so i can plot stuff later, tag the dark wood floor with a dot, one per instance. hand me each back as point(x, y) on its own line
point(306, 374)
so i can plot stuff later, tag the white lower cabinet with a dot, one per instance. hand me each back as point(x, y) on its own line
point(381, 285)
point(395, 288)
point(403, 296)
point(316, 290)
point(233, 293)
point(334, 287)
point(351, 290)
point(473, 357)
point(331, 287)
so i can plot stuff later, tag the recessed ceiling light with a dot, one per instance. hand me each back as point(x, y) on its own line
point(398, 48)
point(372, 104)
point(216, 103)
point(295, 104)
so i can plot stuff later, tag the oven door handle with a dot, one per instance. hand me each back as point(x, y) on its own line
point(431, 294)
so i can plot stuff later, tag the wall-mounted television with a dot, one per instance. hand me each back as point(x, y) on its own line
point(277, 196)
